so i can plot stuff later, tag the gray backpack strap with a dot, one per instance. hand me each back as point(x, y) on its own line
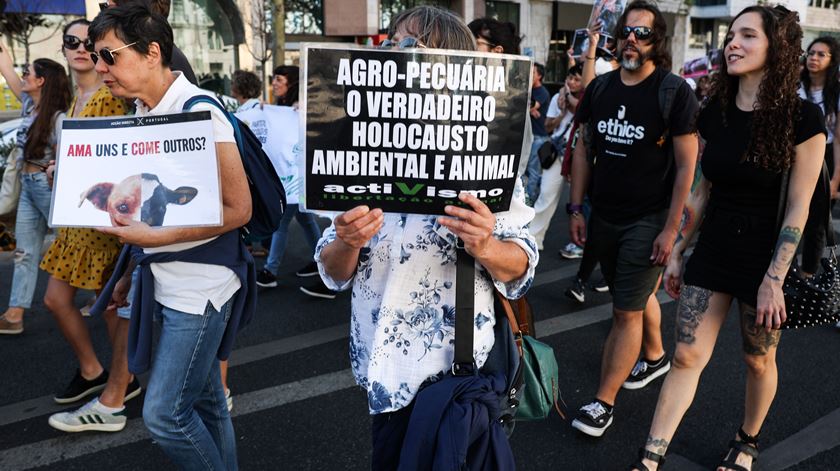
point(599, 84)
point(667, 92)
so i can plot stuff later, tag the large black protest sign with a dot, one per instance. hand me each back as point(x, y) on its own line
point(408, 130)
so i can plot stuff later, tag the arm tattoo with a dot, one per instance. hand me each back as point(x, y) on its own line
point(687, 220)
point(694, 302)
point(657, 445)
point(785, 252)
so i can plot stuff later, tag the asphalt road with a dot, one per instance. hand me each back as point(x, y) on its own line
point(296, 407)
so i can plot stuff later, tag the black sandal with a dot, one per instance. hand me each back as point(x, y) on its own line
point(645, 454)
point(748, 445)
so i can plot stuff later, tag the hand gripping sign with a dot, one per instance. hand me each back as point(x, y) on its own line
point(160, 169)
point(407, 130)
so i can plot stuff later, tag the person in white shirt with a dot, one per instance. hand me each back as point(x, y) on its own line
point(559, 122)
point(185, 408)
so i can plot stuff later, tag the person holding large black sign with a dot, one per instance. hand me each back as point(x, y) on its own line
point(402, 270)
point(641, 174)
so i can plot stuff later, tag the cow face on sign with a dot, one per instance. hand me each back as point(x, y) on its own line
point(143, 194)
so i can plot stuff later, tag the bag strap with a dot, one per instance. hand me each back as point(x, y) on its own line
point(516, 327)
point(464, 363)
point(237, 134)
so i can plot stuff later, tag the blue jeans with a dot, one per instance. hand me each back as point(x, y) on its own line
point(534, 172)
point(185, 408)
point(32, 214)
point(278, 240)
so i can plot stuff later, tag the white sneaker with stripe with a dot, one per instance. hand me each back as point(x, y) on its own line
point(89, 417)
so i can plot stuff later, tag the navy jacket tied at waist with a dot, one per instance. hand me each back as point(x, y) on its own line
point(455, 426)
point(227, 250)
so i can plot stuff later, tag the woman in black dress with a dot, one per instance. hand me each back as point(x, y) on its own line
point(755, 126)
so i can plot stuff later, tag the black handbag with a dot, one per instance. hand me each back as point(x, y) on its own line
point(811, 301)
point(547, 154)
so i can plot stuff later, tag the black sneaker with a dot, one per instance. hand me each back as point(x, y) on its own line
point(644, 372)
point(576, 291)
point(319, 290)
point(593, 419)
point(79, 387)
point(266, 279)
point(601, 286)
point(133, 390)
point(309, 270)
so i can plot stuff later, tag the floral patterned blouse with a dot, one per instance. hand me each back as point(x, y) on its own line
point(403, 304)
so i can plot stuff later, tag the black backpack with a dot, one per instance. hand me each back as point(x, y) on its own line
point(667, 91)
point(268, 198)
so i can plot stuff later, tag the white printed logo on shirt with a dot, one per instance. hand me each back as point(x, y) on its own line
point(620, 131)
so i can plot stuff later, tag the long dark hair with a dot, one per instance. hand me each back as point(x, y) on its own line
point(56, 95)
point(79, 21)
point(661, 45)
point(831, 89)
point(292, 74)
point(778, 104)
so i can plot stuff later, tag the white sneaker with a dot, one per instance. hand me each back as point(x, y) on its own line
point(89, 417)
point(229, 400)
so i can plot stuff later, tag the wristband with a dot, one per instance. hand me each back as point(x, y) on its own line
point(574, 208)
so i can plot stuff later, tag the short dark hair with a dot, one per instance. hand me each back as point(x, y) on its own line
point(161, 7)
point(496, 33)
point(576, 69)
point(661, 46)
point(135, 23)
point(246, 84)
point(540, 69)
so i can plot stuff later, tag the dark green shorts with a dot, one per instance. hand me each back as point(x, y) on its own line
point(624, 254)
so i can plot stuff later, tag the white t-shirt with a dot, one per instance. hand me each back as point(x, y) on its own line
point(817, 99)
point(185, 286)
point(277, 128)
point(555, 111)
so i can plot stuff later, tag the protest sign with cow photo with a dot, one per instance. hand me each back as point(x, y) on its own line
point(161, 170)
point(408, 130)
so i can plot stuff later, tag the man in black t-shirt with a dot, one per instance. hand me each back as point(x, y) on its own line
point(637, 167)
point(539, 107)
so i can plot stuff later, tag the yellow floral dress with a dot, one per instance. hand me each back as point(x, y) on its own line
point(84, 257)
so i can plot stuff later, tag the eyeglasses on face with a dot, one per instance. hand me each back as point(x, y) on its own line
point(641, 32)
point(405, 43)
point(484, 42)
point(819, 54)
point(107, 55)
point(71, 43)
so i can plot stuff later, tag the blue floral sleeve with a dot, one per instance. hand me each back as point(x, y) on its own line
point(512, 226)
point(328, 237)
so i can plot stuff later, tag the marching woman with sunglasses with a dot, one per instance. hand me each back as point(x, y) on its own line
point(755, 127)
point(821, 86)
point(44, 92)
point(82, 258)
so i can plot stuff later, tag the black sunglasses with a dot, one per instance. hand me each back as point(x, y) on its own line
point(25, 72)
point(641, 32)
point(71, 43)
point(107, 55)
point(103, 6)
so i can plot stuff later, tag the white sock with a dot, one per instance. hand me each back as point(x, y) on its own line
point(110, 410)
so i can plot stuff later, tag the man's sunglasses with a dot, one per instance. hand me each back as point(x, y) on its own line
point(641, 32)
point(107, 55)
point(71, 43)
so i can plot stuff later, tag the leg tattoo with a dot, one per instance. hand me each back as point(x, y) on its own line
point(657, 445)
point(694, 302)
point(757, 341)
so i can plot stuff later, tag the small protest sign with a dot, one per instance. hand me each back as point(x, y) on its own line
point(160, 169)
point(607, 12)
point(580, 42)
point(408, 130)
